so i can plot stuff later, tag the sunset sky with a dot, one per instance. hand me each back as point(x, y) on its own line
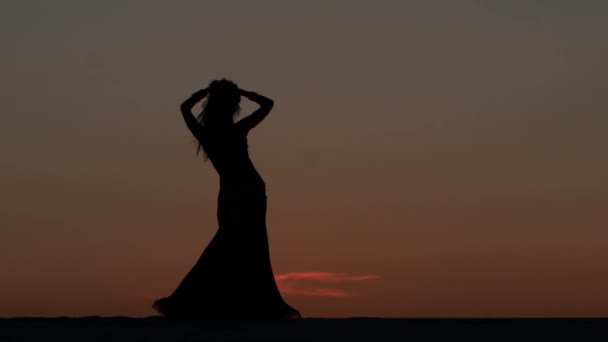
point(423, 158)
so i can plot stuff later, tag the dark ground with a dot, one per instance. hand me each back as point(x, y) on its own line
point(308, 329)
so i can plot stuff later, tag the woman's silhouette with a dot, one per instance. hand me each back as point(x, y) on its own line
point(233, 277)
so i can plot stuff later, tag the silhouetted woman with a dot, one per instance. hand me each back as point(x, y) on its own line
point(233, 277)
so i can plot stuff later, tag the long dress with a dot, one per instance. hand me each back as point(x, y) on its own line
point(233, 277)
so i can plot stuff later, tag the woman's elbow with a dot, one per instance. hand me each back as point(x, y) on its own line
point(269, 104)
point(184, 108)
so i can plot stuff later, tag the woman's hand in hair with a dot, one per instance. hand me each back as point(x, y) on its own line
point(247, 94)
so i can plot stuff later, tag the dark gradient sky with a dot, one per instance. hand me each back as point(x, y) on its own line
point(424, 158)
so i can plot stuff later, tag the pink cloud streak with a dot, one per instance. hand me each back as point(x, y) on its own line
point(288, 283)
point(299, 284)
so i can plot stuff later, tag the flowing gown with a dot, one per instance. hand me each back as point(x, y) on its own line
point(233, 277)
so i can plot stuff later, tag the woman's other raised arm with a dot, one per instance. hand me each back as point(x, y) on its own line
point(257, 116)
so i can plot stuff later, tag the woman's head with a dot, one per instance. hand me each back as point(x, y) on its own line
point(222, 104)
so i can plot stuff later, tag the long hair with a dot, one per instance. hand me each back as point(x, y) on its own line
point(220, 108)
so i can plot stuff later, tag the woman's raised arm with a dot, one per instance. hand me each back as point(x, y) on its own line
point(186, 109)
point(257, 116)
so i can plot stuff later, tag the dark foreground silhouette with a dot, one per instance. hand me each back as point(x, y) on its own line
point(306, 329)
point(233, 277)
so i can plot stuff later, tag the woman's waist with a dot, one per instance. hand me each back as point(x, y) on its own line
point(242, 184)
point(242, 177)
